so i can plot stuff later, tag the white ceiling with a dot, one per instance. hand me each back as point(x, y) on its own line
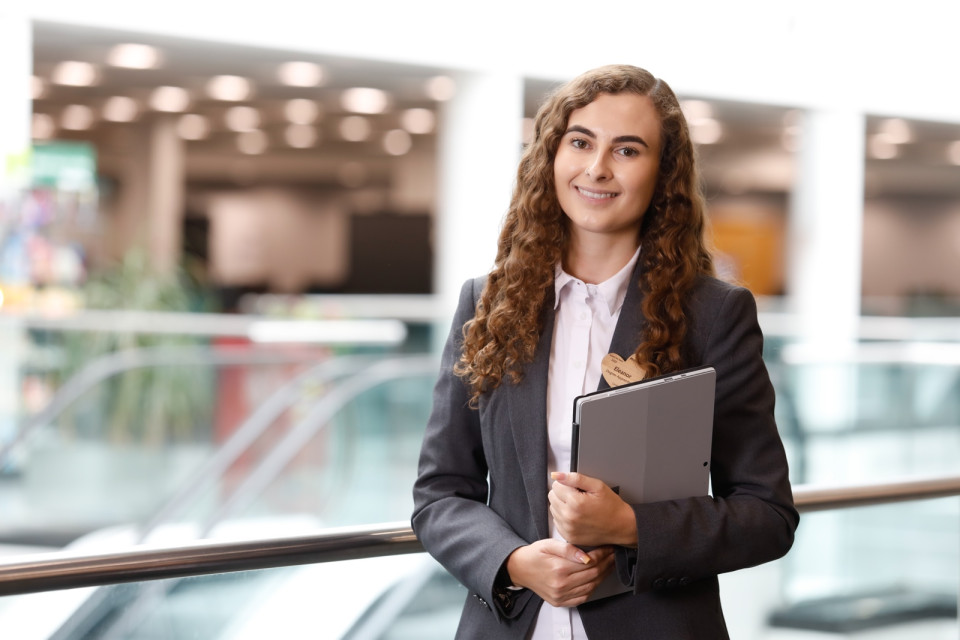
point(751, 145)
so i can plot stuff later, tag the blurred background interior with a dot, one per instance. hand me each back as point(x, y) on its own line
point(230, 246)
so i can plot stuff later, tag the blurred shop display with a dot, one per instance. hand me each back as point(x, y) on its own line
point(749, 239)
point(48, 229)
point(43, 226)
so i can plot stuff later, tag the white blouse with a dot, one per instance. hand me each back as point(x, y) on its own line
point(586, 316)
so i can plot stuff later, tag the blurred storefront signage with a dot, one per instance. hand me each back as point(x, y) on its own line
point(65, 166)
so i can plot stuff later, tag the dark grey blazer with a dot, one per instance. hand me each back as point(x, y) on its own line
point(482, 485)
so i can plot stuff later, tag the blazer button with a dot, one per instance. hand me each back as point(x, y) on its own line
point(684, 581)
point(659, 583)
point(671, 582)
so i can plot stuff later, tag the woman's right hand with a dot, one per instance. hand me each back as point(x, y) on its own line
point(560, 573)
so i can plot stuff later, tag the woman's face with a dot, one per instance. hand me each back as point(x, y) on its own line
point(606, 166)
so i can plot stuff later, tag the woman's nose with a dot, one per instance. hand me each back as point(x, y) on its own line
point(597, 167)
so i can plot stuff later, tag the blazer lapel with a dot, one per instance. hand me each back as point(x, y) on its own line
point(626, 335)
point(528, 419)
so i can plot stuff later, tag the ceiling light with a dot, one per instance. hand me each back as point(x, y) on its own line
point(42, 126)
point(38, 87)
point(193, 126)
point(364, 100)
point(300, 74)
point(76, 117)
point(896, 130)
point(134, 56)
point(352, 174)
point(120, 109)
point(418, 120)
point(705, 131)
point(397, 142)
point(300, 136)
point(441, 88)
point(75, 74)
point(355, 128)
point(170, 99)
point(229, 88)
point(242, 118)
point(881, 148)
point(695, 110)
point(953, 152)
point(252, 142)
point(301, 111)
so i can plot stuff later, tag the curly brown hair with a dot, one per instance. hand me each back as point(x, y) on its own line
point(503, 335)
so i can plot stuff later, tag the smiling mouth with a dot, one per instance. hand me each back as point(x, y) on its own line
point(595, 195)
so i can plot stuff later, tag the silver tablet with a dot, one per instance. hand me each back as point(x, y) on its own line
point(648, 440)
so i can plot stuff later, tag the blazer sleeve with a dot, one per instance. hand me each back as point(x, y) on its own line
point(751, 518)
point(451, 516)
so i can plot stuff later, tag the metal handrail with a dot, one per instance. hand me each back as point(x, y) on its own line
point(818, 498)
point(51, 572)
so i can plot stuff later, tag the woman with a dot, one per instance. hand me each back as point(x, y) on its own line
point(602, 251)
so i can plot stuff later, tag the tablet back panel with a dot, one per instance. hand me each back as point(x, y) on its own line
point(649, 441)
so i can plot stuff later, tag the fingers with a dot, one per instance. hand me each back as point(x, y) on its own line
point(578, 481)
point(563, 550)
point(586, 512)
point(579, 585)
point(560, 573)
point(602, 554)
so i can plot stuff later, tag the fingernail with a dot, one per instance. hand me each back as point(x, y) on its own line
point(584, 558)
point(558, 475)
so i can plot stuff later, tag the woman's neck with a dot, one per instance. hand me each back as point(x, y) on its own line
point(597, 260)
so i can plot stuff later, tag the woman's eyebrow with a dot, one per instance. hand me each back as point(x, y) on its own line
point(628, 138)
point(578, 129)
point(636, 139)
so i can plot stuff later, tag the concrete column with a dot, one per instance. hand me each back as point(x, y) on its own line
point(824, 266)
point(167, 178)
point(153, 193)
point(826, 225)
point(479, 148)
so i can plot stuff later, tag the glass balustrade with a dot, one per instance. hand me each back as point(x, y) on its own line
point(332, 440)
point(867, 587)
point(104, 444)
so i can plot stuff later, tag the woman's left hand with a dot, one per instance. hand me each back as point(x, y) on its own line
point(588, 513)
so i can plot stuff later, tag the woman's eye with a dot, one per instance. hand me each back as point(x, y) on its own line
point(579, 143)
point(630, 152)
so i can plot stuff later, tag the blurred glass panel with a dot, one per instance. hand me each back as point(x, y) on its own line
point(851, 575)
point(108, 459)
point(873, 573)
point(877, 412)
point(358, 468)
